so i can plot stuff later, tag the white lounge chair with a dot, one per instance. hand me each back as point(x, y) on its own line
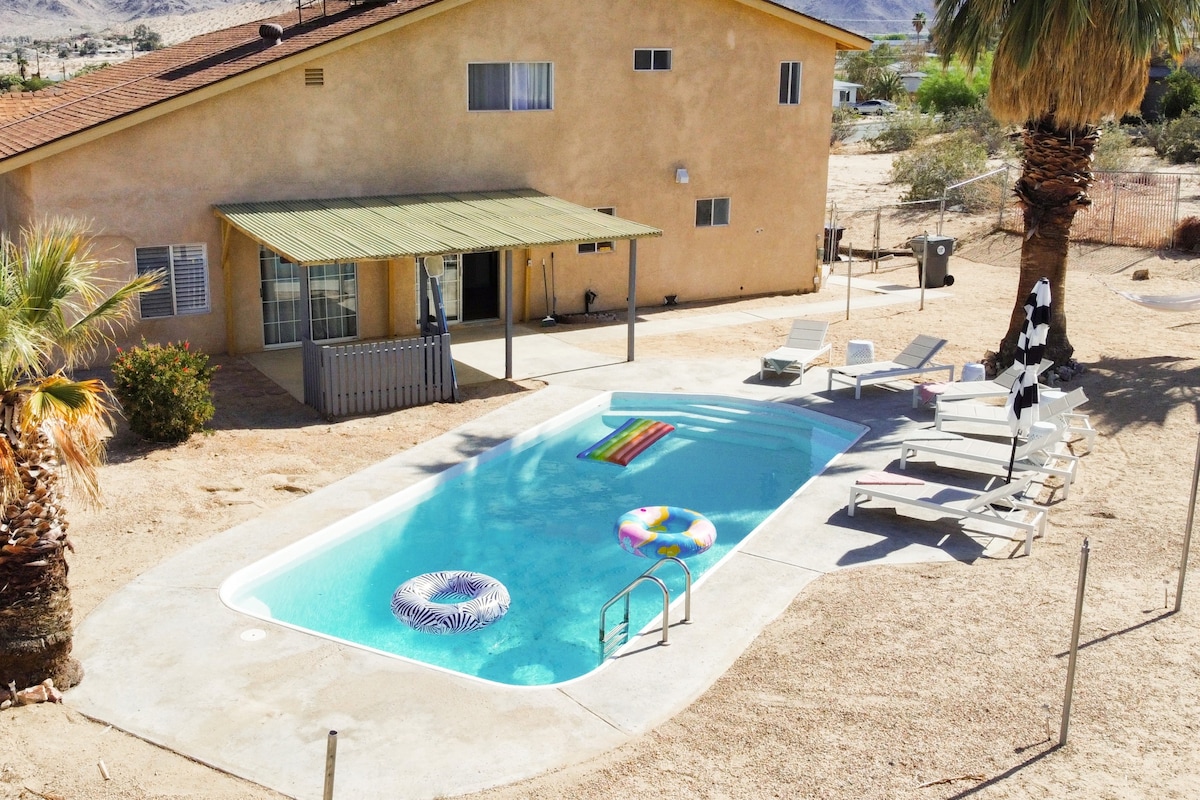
point(1000, 505)
point(998, 386)
point(1054, 406)
point(1037, 455)
point(805, 343)
point(915, 359)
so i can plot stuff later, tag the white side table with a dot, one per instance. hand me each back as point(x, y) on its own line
point(973, 372)
point(860, 351)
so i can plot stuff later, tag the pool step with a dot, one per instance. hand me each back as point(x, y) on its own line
point(697, 423)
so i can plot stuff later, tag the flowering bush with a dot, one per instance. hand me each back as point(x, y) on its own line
point(164, 390)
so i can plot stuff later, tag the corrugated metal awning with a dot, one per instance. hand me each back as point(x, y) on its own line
point(376, 228)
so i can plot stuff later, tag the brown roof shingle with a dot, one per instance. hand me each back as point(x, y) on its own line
point(31, 120)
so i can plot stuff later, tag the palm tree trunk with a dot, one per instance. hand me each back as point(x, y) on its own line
point(1053, 186)
point(35, 602)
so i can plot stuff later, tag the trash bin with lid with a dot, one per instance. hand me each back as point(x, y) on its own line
point(833, 238)
point(939, 248)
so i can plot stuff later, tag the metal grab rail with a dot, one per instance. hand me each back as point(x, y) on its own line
point(611, 640)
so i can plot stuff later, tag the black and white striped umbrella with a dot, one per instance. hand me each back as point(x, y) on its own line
point(1031, 345)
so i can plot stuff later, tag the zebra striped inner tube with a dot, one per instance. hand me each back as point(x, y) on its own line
point(418, 602)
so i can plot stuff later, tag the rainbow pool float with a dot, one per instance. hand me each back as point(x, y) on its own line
point(665, 532)
point(628, 441)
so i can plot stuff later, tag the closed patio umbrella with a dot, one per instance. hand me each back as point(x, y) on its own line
point(1023, 399)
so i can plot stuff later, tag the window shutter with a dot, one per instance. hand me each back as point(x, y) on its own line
point(191, 279)
point(157, 303)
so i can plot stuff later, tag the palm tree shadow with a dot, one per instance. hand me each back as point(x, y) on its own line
point(1141, 391)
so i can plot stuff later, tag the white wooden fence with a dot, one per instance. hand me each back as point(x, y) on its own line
point(362, 377)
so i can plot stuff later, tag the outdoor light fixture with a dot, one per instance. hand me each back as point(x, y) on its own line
point(681, 175)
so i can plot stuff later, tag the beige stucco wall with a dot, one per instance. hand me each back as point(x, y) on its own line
point(392, 118)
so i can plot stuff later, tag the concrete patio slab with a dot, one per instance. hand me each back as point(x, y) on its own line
point(167, 661)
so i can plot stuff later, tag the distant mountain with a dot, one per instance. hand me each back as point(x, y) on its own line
point(866, 16)
point(43, 18)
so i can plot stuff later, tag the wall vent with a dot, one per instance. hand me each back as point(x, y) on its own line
point(314, 76)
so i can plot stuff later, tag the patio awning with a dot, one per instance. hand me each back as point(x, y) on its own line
point(352, 229)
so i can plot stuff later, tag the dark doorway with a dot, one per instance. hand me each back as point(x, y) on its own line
point(480, 286)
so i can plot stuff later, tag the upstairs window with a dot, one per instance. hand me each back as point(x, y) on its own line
point(651, 60)
point(184, 288)
point(789, 83)
point(712, 212)
point(599, 247)
point(517, 86)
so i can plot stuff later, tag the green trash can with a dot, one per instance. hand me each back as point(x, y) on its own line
point(939, 250)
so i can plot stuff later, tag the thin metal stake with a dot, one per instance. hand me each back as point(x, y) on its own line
point(1187, 532)
point(1066, 714)
point(330, 761)
point(849, 272)
point(921, 271)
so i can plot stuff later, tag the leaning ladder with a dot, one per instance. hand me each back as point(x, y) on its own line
point(613, 639)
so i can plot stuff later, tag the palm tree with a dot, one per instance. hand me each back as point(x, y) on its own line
point(1059, 70)
point(54, 311)
point(918, 24)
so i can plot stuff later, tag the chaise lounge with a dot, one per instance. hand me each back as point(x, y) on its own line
point(916, 359)
point(999, 506)
point(1055, 406)
point(1038, 455)
point(805, 343)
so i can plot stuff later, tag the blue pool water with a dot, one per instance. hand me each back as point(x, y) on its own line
point(540, 520)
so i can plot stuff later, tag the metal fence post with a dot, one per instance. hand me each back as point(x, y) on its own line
point(1066, 714)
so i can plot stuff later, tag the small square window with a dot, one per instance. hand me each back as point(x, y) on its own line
point(651, 60)
point(599, 247)
point(789, 83)
point(712, 212)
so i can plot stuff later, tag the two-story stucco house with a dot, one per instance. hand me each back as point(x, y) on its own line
point(271, 170)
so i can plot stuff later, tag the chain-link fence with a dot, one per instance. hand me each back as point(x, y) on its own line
point(1136, 209)
point(878, 239)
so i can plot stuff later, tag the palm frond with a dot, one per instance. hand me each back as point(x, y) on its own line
point(74, 415)
point(1075, 61)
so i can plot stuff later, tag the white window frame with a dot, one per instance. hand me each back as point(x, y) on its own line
point(654, 52)
point(185, 279)
point(714, 204)
point(791, 74)
point(514, 80)
point(599, 247)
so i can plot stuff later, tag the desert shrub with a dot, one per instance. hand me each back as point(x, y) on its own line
point(1187, 234)
point(1182, 94)
point(164, 390)
point(843, 124)
point(979, 122)
point(932, 166)
point(1178, 141)
point(903, 130)
point(1114, 152)
point(949, 90)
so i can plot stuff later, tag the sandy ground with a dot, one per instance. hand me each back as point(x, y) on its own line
point(937, 681)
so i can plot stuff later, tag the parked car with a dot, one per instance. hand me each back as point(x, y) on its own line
point(875, 107)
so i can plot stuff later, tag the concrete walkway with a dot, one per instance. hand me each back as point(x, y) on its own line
point(167, 661)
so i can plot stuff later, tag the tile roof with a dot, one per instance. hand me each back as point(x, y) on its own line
point(30, 120)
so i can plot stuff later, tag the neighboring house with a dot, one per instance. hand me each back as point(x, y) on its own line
point(270, 177)
point(912, 80)
point(845, 93)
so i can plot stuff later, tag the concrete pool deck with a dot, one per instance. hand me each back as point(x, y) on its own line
point(168, 662)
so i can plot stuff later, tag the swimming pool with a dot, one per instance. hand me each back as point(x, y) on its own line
point(540, 520)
